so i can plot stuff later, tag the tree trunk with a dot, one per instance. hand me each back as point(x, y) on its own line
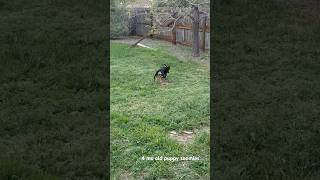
point(151, 24)
point(195, 31)
point(174, 36)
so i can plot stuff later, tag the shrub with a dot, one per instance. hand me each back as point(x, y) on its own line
point(118, 22)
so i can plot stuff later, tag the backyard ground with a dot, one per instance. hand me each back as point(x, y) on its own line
point(182, 52)
point(149, 119)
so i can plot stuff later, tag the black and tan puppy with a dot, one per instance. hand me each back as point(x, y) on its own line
point(162, 73)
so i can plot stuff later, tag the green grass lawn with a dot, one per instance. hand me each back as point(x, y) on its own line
point(143, 113)
point(53, 89)
point(265, 90)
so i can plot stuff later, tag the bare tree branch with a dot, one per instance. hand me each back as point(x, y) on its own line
point(157, 18)
point(190, 17)
point(175, 22)
point(173, 26)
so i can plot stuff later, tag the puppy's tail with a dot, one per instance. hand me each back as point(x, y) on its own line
point(154, 77)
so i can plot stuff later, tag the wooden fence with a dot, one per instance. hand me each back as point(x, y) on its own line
point(181, 34)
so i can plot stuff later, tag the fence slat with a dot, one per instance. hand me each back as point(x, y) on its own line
point(204, 34)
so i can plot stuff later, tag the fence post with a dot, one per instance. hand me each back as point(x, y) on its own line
point(204, 27)
point(174, 36)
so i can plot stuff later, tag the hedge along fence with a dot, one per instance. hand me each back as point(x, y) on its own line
point(118, 22)
point(140, 25)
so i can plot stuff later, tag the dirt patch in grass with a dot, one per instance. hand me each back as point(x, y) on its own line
point(185, 137)
point(126, 176)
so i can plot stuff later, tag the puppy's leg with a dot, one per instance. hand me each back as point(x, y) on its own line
point(158, 79)
point(161, 80)
point(166, 81)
